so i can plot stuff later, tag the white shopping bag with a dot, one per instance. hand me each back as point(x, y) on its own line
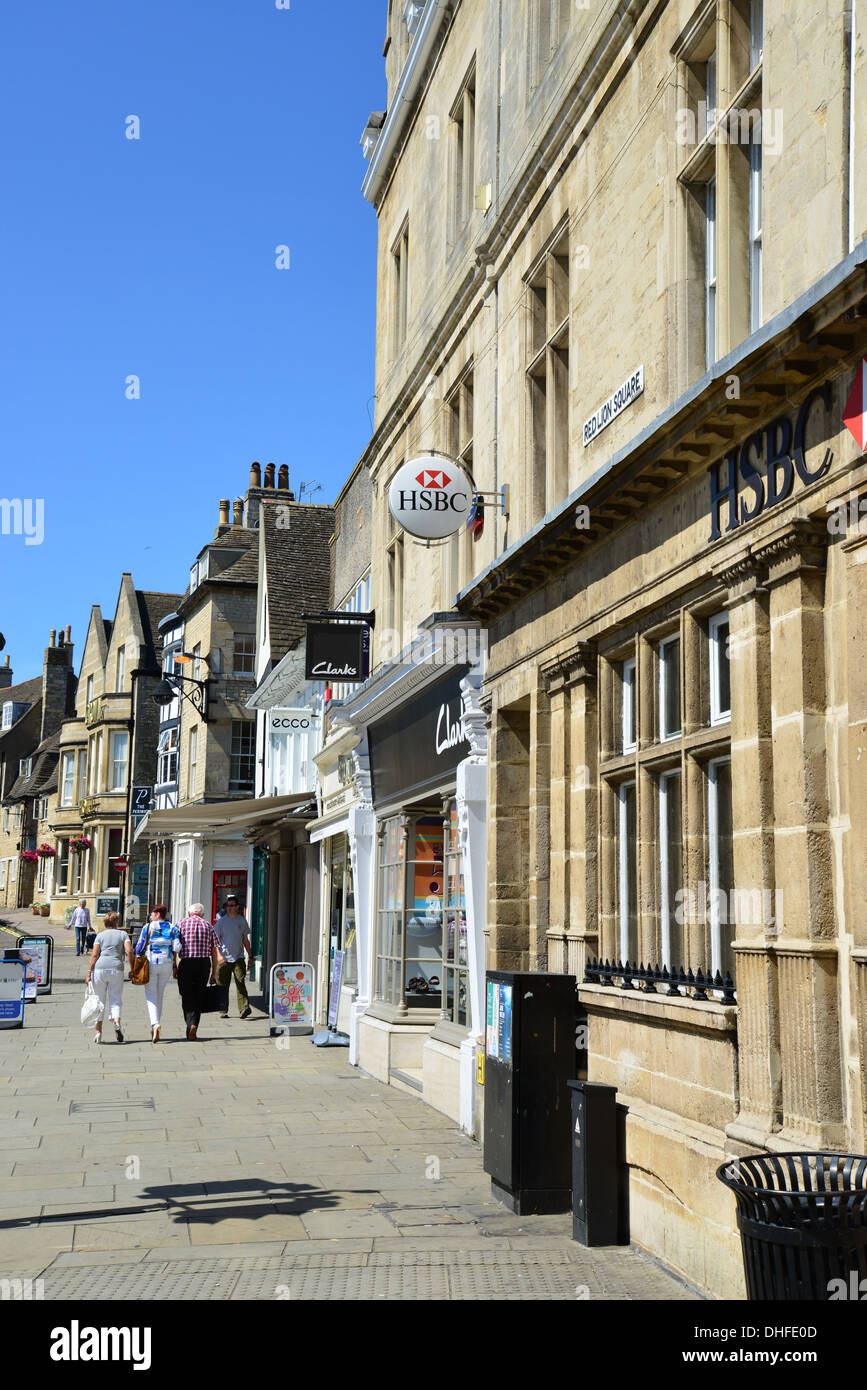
point(92, 1008)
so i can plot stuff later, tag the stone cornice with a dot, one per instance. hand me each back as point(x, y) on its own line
point(570, 668)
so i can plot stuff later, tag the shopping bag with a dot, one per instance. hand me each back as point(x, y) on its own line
point(215, 999)
point(92, 1008)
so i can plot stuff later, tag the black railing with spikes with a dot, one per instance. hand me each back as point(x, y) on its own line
point(674, 983)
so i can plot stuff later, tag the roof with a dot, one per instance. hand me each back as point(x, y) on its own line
point(243, 571)
point(297, 569)
point(43, 772)
point(152, 609)
point(24, 693)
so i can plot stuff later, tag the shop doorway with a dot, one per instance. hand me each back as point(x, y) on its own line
point(228, 881)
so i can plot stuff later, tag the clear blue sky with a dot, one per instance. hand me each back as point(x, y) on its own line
point(156, 257)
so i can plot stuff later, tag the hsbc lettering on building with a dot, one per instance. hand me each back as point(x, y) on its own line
point(430, 496)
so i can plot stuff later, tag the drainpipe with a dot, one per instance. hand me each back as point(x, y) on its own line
point(852, 31)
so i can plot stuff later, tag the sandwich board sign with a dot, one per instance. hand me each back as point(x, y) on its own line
point(291, 999)
point(38, 953)
point(12, 987)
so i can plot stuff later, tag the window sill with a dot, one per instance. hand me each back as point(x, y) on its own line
point(452, 1034)
point(401, 1018)
point(684, 1015)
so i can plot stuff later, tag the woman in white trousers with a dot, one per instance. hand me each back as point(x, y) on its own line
point(162, 942)
point(110, 950)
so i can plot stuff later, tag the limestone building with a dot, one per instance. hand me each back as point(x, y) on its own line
point(622, 269)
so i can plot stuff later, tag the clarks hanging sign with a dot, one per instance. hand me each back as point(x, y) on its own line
point(762, 471)
point(338, 652)
point(430, 496)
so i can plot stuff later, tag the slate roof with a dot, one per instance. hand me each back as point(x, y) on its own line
point(24, 693)
point(152, 609)
point(298, 570)
point(43, 773)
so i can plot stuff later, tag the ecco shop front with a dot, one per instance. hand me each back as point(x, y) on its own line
point(422, 762)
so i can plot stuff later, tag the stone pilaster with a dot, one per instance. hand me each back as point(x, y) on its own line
point(805, 948)
point(753, 851)
point(507, 928)
point(543, 795)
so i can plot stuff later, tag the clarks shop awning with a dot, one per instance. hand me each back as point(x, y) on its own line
point(226, 816)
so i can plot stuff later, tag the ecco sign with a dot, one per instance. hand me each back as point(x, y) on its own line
point(766, 464)
point(430, 496)
point(302, 721)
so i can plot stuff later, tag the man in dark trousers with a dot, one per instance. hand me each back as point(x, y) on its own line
point(233, 934)
point(198, 960)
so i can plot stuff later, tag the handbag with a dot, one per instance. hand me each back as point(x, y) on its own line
point(92, 1008)
point(140, 970)
point(215, 999)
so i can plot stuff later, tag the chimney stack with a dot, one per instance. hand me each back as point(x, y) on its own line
point(51, 636)
point(283, 477)
point(255, 475)
point(269, 475)
point(58, 683)
point(5, 675)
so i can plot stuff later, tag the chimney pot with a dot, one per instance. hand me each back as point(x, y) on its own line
point(51, 636)
point(6, 662)
point(283, 477)
point(255, 475)
point(68, 633)
point(269, 475)
point(224, 511)
point(238, 511)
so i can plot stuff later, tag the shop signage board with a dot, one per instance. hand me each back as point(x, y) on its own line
point(336, 982)
point(430, 496)
point(337, 652)
point(105, 905)
point(421, 744)
point(761, 470)
point(11, 993)
point(40, 950)
point(617, 402)
point(291, 998)
point(141, 802)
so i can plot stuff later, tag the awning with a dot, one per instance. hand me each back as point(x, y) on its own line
point(199, 818)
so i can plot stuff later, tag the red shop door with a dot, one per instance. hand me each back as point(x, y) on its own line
point(228, 881)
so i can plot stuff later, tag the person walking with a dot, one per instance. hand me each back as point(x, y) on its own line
point(106, 971)
point(198, 960)
point(162, 942)
point(80, 924)
point(233, 935)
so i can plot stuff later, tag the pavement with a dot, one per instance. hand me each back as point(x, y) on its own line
point(242, 1168)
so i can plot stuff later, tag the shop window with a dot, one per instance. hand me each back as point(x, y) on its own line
point(243, 757)
point(627, 871)
point(422, 960)
point(627, 706)
point(669, 688)
point(115, 849)
point(720, 865)
point(342, 914)
point(720, 674)
point(671, 869)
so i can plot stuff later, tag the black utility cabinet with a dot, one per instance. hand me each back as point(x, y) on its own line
point(594, 1163)
point(529, 1058)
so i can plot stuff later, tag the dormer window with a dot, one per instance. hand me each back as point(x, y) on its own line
point(8, 708)
point(194, 576)
point(24, 767)
point(371, 133)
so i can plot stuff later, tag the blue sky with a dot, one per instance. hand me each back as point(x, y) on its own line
point(156, 258)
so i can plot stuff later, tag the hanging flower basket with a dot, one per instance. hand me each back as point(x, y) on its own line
point(79, 843)
point(46, 852)
point(28, 856)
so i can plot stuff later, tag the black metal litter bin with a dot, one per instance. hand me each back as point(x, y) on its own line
point(803, 1223)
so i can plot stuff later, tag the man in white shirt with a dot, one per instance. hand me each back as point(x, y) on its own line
point(80, 923)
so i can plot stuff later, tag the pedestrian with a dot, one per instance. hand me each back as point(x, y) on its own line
point(106, 971)
point(162, 942)
point(198, 960)
point(80, 923)
point(233, 934)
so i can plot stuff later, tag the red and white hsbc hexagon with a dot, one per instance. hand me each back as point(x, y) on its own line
point(430, 496)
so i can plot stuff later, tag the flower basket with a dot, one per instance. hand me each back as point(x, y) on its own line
point(29, 856)
point(46, 852)
point(79, 844)
point(35, 909)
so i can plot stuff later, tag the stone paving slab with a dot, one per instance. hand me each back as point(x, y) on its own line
point(263, 1173)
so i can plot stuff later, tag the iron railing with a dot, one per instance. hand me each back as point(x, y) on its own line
point(680, 983)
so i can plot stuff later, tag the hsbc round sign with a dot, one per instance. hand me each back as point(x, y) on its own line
point(430, 496)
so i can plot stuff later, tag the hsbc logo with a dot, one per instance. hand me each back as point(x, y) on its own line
point(433, 477)
point(428, 500)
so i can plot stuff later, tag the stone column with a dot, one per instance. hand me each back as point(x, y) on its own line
point(508, 818)
point(541, 809)
point(760, 1093)
point(805, 948)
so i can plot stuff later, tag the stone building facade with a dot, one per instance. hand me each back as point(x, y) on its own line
point(606, 283)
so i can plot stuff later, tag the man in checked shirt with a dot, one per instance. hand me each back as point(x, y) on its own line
point(198, 960)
